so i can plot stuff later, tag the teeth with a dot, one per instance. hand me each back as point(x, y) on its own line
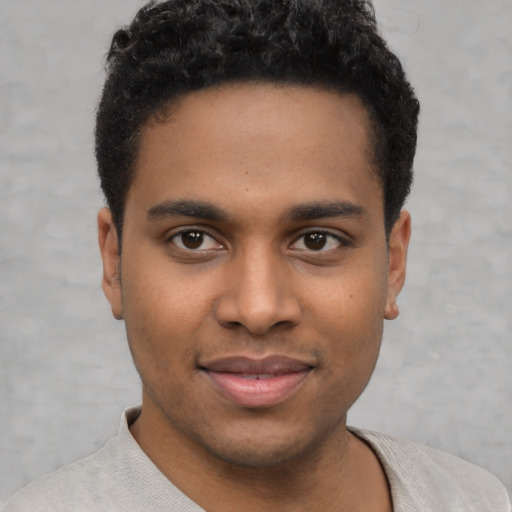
point(257, 376)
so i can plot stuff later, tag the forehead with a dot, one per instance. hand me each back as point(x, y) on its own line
point(257, 140)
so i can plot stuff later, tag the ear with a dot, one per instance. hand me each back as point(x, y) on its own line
point(397, 262)
point(108, 241)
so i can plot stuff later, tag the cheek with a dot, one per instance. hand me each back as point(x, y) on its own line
point(163, 315)
point(354, 299)
point(155, 288)
point(354, 331)
point(350, 315)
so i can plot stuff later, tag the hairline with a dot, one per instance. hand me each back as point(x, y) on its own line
point(163, 111)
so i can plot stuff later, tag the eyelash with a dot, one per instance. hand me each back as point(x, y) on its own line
point(204, 235)
point(341, 242)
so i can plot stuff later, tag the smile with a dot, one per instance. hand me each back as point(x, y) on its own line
point(254, 383)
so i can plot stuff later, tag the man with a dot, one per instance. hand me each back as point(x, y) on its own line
point(255, 156)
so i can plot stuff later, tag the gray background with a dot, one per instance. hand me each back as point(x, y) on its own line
point(444, 377)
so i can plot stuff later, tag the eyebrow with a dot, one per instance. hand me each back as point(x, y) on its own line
point(186, 208)
point(322, 210)
point(300, 212)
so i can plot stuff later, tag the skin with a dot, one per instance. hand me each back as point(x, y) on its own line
point(258, 284)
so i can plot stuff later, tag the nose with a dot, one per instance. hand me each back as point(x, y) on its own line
point(258, 295)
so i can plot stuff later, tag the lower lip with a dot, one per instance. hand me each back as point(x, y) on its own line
point(262, 392)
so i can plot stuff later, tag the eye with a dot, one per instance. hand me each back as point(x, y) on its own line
point(317, 241)
point(195, 240)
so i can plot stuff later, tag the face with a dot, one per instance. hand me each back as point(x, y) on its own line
point(255, 273)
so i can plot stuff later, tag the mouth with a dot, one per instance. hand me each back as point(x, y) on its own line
point(256, 383)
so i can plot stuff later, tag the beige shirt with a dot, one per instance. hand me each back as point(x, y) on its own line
point(120, 477)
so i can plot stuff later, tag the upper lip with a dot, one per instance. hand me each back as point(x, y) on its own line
point(273, 364)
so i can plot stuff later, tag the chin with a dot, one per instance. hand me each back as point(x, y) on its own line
point(255, 450)
point(257, 457)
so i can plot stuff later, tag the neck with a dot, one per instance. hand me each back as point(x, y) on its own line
point(340, 474)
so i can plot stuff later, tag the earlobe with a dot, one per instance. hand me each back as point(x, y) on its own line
point(397, 262)
point(392, 311)
point(109, 248)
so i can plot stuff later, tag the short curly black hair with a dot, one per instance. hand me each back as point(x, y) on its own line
point(175, 47)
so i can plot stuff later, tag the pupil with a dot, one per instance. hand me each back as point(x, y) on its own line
point(315, 241)
point(192, 239)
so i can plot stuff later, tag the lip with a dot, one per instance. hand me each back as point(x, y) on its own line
point(256, 383)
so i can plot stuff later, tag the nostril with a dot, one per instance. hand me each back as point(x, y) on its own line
point(258, 302)
point(284, 324)
point(232, 324)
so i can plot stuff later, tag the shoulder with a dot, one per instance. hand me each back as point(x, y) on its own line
point(434, 480)
point(118, 477)
point(51, 492)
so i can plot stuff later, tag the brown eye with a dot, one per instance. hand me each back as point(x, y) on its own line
point(195, 239)
point(318, 241)
point(315, 241)
point(192, 239)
